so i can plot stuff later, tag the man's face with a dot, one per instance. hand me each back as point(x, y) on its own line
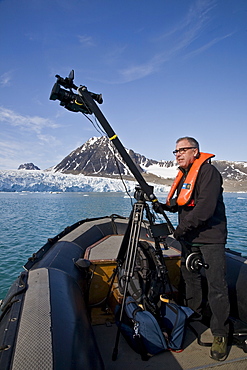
point(187, 156)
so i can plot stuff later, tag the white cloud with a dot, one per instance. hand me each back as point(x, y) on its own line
point(208, 45)
point(49, 139)
point(177, 41)
point(13, 153)
point(86, 40)
point(5, 79)
point(8, 148)
point(138, 71)
point(33, 123)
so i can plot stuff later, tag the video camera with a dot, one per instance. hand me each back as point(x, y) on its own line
point(70, 100)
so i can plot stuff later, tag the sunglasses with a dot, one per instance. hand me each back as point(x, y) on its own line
point(182, 150)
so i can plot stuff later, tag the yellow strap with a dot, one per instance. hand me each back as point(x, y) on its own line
point(78, 103)
point(166, 300)
point(113, 137)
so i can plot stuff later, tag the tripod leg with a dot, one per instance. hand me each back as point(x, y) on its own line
point(130, 256)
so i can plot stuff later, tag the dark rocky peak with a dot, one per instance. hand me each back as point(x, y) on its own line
point(28, 166)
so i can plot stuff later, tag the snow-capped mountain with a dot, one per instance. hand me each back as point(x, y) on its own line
point(92, 167)
point(98, 156)
point(28, 166)
point(232, 170)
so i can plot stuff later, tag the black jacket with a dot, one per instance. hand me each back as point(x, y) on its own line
point(205, 222)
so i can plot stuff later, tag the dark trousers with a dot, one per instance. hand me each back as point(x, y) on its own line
point(214, 256)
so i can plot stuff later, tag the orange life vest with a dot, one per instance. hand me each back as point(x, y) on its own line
point(186, 191)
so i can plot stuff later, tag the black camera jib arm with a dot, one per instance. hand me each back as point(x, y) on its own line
point(84, 102)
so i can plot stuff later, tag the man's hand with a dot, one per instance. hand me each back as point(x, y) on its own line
point(158, 207)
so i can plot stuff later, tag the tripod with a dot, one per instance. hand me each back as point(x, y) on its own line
point(128, 251)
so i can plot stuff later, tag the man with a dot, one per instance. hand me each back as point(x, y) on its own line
point(202, 228)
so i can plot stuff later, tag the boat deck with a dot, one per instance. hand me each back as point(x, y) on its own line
point(192, 357)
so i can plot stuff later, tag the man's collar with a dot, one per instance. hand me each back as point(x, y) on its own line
point(185, 170)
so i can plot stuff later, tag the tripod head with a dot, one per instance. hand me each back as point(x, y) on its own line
point(140, 194)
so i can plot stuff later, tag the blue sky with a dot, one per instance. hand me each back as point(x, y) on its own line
point(166, 69)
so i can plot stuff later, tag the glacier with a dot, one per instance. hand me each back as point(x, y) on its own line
point(51, 181)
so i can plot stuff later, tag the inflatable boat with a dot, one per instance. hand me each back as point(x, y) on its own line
point(59, 313)
point(62, 311)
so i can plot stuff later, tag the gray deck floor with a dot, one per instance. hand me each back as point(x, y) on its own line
point(193, 356)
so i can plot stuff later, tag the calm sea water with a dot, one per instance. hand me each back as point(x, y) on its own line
point(28, 219)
